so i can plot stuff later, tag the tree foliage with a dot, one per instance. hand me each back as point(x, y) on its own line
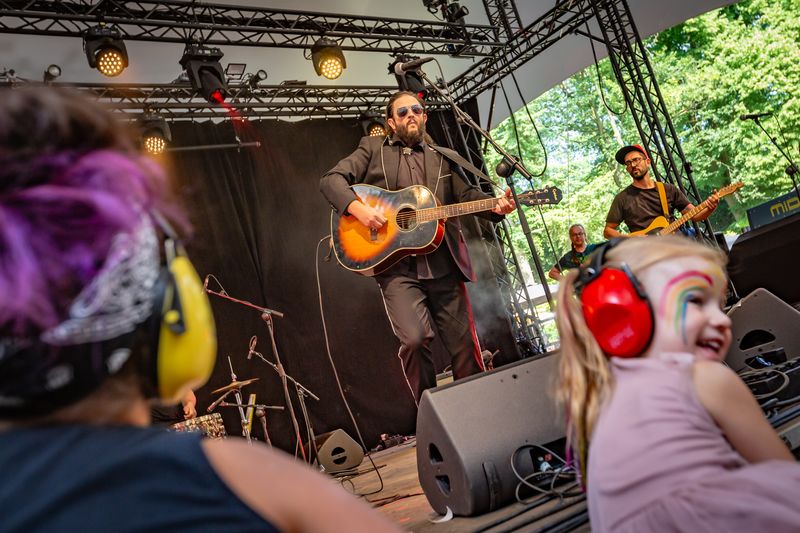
point(739, 59)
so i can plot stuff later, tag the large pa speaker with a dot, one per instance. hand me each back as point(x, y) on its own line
point(763, 324)
point(337, 451)
point(467, 432)
point(766, 258)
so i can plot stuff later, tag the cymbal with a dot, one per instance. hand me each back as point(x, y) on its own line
point(234, 385)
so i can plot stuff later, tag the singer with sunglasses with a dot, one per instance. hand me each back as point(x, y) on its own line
point(419, 291)
point(641, 202)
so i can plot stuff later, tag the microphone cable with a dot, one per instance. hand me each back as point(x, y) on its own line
point(367, 452)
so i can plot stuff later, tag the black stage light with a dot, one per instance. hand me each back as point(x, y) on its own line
point(51, 73)
point(408, 81)
point(257, 78)
point(155, 133)
point(105, 50)
point(328, 58)
point(373, 124)
point(201, 64)
point(455, 13)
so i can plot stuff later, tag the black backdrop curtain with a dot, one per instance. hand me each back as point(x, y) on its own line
point(258, 217)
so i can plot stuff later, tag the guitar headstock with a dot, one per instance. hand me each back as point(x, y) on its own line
point(546, 196)
point(728, 189)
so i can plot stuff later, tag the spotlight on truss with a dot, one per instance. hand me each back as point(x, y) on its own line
point(328, 58)
point(257, 78)
point(155, 133)
point(105, 50)
point(201, 64)
point(51, 73)
point(373, 124)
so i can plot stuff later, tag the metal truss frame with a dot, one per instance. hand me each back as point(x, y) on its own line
point(182, 21)
point(504, 17)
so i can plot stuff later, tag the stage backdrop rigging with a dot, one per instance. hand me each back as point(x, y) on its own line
point(258, 216)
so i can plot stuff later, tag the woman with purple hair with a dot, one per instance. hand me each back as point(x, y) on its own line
point(81, 216)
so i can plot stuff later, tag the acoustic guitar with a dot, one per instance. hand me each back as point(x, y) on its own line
point(415, 225)
point(660, 225)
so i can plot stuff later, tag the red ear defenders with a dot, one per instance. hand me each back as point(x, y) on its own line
point(615, 306)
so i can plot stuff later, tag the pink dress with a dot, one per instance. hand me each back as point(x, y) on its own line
point(658, 462)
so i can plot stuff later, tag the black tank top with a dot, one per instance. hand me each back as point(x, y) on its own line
point(87, 479)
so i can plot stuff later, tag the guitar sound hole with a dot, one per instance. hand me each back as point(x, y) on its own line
point(406, 219)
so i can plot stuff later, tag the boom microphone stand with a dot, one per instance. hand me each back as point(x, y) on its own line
point(266, 316)
point(505, 169)
point(792, 169)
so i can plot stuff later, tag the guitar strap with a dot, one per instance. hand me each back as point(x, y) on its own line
point(455, 157)
point(662, 193)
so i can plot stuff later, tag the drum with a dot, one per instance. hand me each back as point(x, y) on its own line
point(210, 426)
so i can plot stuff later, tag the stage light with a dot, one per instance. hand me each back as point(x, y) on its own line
point(235, 71)
point(373, 124)
point(155, 133)
point(201, 64)
point(455, 13)
point(257, 78)
point(328, 58)
point(105, 50)
point(51, 73)
point(408, 81)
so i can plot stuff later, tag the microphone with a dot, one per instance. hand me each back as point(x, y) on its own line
point(205, 283)
point(216, 402)
point(754, 116)
point(251, 351)
point(402, 68)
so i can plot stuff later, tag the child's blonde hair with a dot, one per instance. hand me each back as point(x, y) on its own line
point(585, 376)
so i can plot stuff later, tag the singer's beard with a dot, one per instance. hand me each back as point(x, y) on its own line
point(411, 138)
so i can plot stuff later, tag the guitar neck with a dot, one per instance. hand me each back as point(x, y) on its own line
point(456, 210)
point(686, 218)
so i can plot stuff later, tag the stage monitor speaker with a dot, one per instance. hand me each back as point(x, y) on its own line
point(766, 258)
point(337, 452)
point(467, 432)
point(763, 326)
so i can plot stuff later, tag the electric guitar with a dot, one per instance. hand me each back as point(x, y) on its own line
point(660, 225)
point(415, 225)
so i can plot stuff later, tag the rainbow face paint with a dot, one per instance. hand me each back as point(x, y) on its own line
point(676, 295)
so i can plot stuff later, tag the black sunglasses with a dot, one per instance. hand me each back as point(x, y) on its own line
point(403, 111)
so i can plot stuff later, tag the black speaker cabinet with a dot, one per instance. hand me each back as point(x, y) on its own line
point(763, 324)
point(468, 430)
point(766, 258)
point(337, 451)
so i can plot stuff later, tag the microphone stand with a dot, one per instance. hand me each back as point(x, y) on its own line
point(792, 168)
point(302, 392)
point(266, 316)
point(238, 393)
point(510, 163)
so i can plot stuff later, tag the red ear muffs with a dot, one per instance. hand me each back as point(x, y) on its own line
point(615, 307)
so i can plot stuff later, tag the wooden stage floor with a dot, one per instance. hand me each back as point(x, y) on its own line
point(401, 499)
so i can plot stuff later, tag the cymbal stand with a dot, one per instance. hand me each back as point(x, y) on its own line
point(261, 413)
point(791, 170)
point(238, 394)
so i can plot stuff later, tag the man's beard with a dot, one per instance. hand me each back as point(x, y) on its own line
point(410, 138)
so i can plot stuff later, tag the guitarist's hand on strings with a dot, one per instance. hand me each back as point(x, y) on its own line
point(366, 214)
point(505, 204)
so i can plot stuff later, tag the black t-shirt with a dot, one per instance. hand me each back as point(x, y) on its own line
point(637, 208)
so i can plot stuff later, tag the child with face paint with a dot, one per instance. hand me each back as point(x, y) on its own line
point(667, 438)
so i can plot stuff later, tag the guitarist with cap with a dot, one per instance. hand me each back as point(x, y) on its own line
point(644, 200)
point(423, 292)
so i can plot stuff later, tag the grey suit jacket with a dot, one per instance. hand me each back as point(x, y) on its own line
point(376, 162)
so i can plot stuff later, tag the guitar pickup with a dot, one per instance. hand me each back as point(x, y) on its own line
point(373, 234)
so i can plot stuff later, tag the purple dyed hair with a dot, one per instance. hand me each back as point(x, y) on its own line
point(69, 182)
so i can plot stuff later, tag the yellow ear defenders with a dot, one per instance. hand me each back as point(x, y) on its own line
point(186, 339)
